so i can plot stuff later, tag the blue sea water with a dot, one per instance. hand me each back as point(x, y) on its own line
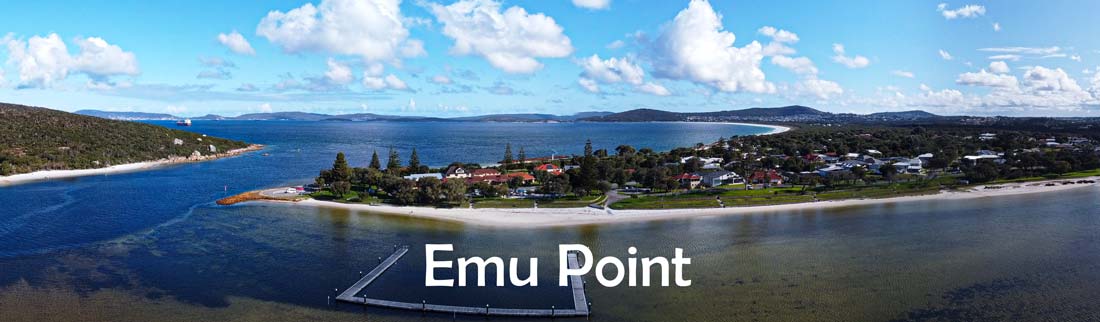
point(157, 233)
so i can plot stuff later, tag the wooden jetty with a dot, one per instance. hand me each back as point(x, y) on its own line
point(580, 301)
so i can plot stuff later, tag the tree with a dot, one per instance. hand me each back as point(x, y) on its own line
point(1061, 167)
point(624, 150)
point(507, 155)
point(522, 157)
point(414, 162)
point(405, 192)
point(889, 171)
point(555, 186)
point(340, 170)
point(588, 148)
point(341, 188)
point(393, 166)
point(454, 191)
point(604, 187)
point(374, 163)
point(984, 171)
point(429, 190)
point(484, 188)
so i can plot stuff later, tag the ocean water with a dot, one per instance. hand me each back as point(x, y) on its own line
point(153, 246)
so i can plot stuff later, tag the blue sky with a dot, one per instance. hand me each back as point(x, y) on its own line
point(481, 56)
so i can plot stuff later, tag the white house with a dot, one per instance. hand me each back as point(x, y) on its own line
point(417, 177)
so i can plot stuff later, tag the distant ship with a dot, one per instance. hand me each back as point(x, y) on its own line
point(186, 122)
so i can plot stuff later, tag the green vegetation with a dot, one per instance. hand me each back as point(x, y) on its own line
point(34, 138)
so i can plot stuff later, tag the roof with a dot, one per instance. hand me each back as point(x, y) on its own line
point(716, 174)
point(485, 172)
point(770, 175)
point(547, 167)
point(688, 176)
point(423, 175)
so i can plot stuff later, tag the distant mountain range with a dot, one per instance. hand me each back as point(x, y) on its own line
point(357, 117)
point(785, 114)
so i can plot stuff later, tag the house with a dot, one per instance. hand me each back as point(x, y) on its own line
point(916, 166)
point(689, 180)
point(417, 177)
point(987, 136)
point(570, 167)
point(718, 178)
point(873, 152)
point(851, 156)
point(457, 172)
point(484, 173)
point(526, 177)
point(769, 177)
point(703, 160)
point(549, 168)
point(832, 169)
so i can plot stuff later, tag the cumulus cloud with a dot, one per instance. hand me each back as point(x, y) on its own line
point(996, 26)
point(338, 73)
point(999, 67)
point(778, 35)
point(236, 43)
point(967, 11)
point(511, 40)
point(371, 29)
point(987, 79)
point(593, 4)
point(945, 55)
point(799, 65)
point(653, 89)
point(694, 46)
point(851, 62)
point(265, 108)
point(616, 44)
point(388, 82)
point(43, 61)
point(612, 70)
point(589, 85)
point(819, 88)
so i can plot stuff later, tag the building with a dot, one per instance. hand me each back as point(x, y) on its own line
point(549, 168)
point(456, 172)
point(769, 177)
point(689, 180)
point(718, 178)
point(484, 173)
point(417, 177)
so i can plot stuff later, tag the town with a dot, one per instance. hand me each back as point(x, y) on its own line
point(809, 164)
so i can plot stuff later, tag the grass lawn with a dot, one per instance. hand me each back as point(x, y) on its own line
point(776, 196)
point(564, 202)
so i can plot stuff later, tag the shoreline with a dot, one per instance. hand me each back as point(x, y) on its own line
point(47, 175)
point(563, 217)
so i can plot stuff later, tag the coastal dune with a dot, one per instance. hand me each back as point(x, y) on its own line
point(555, 217)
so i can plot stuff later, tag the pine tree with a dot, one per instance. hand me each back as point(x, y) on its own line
point(588, 148)
point(507, 155)
point(394, 164)
point(414, 162)
point(374, 162)
point(522, 156)
point(340, 170)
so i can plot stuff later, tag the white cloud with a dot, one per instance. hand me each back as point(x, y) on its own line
point(612, 70)
point(265, 108)
point(996, 26)
point(1095, 85)
point(1010, 57)
point(511, 41)
point(413, 48)
point(798, 65)
point(1040, 51)
point(902, 73)
point(819, 88)
point(441, 79)
point(1075, 58)
point(338, 73)
point(175, 109)
point(945, 55)
point(592, 4)
point(388, 82)
point(43, 61)
point(999, 67)
point(411, 107)
point(984, 78)
point(967, 11)
point(236, 43)
point(654, 89)
point(616, 44)
point(694, 46)
point(215, 74)
point(371, 29)
point(778, 35)
point(1040, 78)
point(589, 85)
point(850, 62)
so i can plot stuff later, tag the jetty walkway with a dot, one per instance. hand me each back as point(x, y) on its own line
point(576, 284)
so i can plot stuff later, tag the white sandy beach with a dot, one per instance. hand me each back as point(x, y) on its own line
point(116, 169)
point(552, 217)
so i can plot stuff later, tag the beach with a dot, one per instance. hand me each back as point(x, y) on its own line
point(116, 169)
point(557, 217)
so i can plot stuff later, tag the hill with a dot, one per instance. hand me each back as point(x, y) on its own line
point(35, 138)
point(756, 113)
point(127, 115)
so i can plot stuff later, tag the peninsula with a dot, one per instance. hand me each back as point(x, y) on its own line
point(40, 144)
point(811, 166)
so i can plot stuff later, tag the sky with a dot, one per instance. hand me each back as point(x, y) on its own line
point(473, 57)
